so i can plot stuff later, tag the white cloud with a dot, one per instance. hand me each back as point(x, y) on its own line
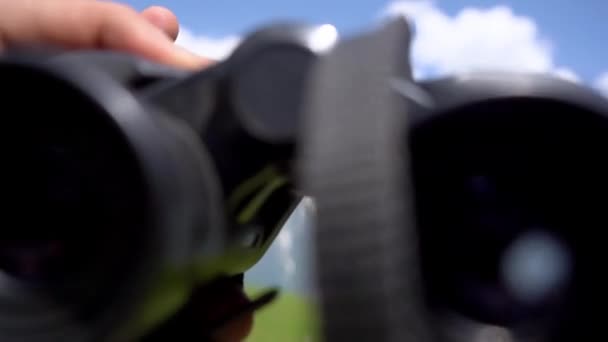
point(214, 48)
point(285, 244)
point(475, 39)
point(567, 74)
point(285, 240)
point(493, 38)
point(602, 83)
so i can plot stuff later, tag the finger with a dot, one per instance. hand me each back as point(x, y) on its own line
point(90, 24)
point(235, 331)
point(164, 19)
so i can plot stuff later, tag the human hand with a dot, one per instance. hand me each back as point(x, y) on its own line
point(90, 24)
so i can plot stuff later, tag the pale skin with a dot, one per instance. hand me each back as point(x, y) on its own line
point(87, 24)
point(79, 24)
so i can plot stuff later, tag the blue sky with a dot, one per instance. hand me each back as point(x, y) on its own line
point(574, 30)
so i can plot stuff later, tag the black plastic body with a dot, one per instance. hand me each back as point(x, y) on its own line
point(192, 138)
point(533, 147)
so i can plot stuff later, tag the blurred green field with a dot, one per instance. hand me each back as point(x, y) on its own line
point(289, 318)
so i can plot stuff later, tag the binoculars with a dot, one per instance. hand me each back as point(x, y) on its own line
point(471, 200)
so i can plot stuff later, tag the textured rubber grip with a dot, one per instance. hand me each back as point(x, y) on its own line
point(354, 163)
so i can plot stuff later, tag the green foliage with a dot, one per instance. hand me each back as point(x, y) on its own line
point(290, 318)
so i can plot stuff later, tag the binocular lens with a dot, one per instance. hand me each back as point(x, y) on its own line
point(508, 196)
point(75, 197)
point(33, 261)
point(53, 203)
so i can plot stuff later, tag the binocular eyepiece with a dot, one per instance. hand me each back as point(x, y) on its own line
point(472, 200)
